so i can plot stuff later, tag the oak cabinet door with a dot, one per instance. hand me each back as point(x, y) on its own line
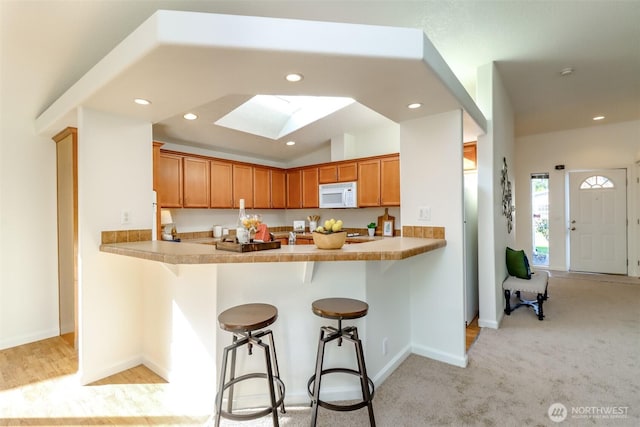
point(221, 187)
point(390, 181)
point(169, 180)
point(327, 174)
point(195, 182)
point(278, 189)
point(294, 189)
point(310, 188)
point(369, 183)
point(347, 172)
point(261, 188)
point(242, 185)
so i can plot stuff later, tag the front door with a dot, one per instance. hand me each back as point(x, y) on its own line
point(598, 221)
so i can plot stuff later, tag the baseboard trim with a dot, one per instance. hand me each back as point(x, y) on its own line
point(441, 356)
point(393, 364)
point(493, 324)
point(28, 339)
point(87, 377)
point(157, 369)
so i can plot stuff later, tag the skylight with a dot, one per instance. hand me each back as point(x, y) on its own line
point(275, 116)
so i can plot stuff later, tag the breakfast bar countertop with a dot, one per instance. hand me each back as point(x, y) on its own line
point(199, 252)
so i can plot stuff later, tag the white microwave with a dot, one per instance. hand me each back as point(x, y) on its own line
point(339, 195)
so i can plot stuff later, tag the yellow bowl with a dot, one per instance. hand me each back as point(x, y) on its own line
point(329, 240)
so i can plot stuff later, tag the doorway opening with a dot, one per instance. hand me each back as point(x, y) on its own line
point(540, 218)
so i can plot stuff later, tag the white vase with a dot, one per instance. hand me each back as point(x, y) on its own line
point(372, 231)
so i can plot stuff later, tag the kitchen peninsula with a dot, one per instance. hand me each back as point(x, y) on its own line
point(392, 248)
point(187, 284)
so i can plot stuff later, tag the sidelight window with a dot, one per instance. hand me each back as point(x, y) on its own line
point(540, 218)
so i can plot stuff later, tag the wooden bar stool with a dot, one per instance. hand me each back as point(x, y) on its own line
point(246, 323)
point(340, 309)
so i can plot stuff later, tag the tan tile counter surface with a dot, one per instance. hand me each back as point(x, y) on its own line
point(203, 251)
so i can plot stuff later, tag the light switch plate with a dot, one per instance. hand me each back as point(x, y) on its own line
point(424, 213)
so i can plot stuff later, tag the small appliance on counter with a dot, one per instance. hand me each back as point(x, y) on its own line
point(298, 226)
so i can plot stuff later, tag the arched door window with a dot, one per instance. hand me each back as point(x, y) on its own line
point(596, 182)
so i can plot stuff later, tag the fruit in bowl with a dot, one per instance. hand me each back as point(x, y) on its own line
point(330, 226)
point(330, 236)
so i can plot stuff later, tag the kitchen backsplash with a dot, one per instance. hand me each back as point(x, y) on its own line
point(193, 220)
point(198, 223)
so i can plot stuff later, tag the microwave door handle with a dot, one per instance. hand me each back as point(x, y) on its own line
point(345, 194)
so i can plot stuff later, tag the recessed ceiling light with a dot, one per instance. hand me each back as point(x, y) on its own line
point(190, 116)
point(566, 71)
point(291, 143)
point(598, 118)
point(294, 77)
point(414, 105)
point(142, 101)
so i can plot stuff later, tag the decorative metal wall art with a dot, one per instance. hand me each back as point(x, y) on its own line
point(507, 203)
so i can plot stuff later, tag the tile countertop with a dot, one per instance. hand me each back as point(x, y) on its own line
point(198, 252)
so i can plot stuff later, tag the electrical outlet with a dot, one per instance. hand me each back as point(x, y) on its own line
point(385, 346)
point(124, 217)
point(424, 213)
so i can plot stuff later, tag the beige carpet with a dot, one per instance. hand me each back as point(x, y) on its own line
point(584, 355)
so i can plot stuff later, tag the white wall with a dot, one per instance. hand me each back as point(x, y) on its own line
point(114, 174)
point(496, 144)
point(432, 176)
point(597, 147)
point(28, 262)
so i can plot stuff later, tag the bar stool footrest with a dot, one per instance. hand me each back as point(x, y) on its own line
point(342, 408)
point(256, 414)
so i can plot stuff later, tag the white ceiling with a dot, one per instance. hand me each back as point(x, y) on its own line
point(57, 42)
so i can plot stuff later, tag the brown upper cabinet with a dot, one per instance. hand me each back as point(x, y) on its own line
point(294, 189)
point(169, 180)
point(369, 183)
point(310, 187)
point(379, 182)
point(470, 154)
point(347, 172)
point(390, 181)
point(221, 184)
point(196, 182)
point(193, 181)
point(242, 185)
point(261, 188)
point(278, 189)
point(340, 172)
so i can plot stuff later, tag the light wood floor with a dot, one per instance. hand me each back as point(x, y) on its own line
point(472, 332)
point(38, 387)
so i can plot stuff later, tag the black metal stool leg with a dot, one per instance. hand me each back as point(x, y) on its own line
point(318, 378)
point(272, 392)
point(221, 383)
point(232, 374)
point(276, 369)
point(364, 382)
